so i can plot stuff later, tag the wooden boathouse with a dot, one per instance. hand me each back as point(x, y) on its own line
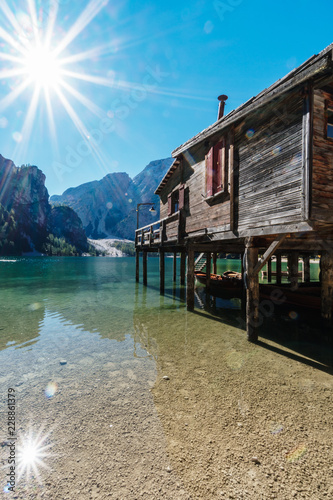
point(257, 182)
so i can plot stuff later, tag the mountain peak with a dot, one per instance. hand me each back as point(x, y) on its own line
point(108, 206)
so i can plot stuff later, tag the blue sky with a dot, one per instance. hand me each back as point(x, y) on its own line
point(148, 78)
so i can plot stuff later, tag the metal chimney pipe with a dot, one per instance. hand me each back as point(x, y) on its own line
point(222, 98)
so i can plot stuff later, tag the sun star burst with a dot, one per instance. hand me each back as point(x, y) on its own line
point(33, 452)
point(42, 67)
point(35, 65)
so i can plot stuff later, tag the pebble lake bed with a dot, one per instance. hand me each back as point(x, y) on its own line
point(121, 393)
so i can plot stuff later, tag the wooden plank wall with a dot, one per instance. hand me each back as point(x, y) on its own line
point(269, 146)
point(322, 164)
point(173, 183)
point(199, 214)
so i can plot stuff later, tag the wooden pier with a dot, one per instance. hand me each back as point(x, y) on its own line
point(259, 183)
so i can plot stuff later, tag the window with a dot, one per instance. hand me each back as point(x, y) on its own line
point(217, 165)
point(329, 131)
point(176, 200)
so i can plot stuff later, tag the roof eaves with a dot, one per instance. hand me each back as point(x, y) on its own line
point(167, 176)
point(293, 78)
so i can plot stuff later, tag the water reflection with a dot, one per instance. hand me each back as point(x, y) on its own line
point(90, 294)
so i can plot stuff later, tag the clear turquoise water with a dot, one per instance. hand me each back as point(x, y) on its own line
point(58, 299)
point(116, 337)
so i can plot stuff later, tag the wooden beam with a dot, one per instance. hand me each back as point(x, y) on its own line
point(214, 263)
point(293, 270)
point(144, 266)
point(162, 231)
point(326, 267)
point(252, 293)
point(278, 269)
point(137, 264)
point(190, 279)
point(174, 266)
point(162, 271)
point(307, 142)
point(269, 270)
point(306, 269)
point(231, 179)
point(208, 269)
point(182, 267)
point(269, 252)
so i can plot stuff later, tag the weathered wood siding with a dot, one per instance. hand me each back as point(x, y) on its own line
point(173, 183)
point(199, 214)
point(270, 164)
point(322, 164)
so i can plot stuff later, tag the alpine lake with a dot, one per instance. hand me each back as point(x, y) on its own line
point(118, 392)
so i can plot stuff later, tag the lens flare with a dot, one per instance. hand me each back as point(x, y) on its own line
point(3, 122)
point(276, 429)
point(51, 389)
point(293, 315)
point(276, 151)
point(234, 360)
point(35, 306)
point(32, 450)
point(17, 136)
point(250, 133)
point(297, 453)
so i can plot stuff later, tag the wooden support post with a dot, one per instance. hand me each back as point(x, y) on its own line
point(144, 266)
point(214, 263)
point(190, 280)
point(326, 266)
point(243, 300)
point(269, 270)
point(208, 269)
point(306, 269)
point(162, 269)
point(174, 266)
point(137, 264)
point(182, 268)
point(252, 294)
point(293, 270)
point(278, 269)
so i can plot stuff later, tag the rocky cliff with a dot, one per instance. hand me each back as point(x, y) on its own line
point(26, 217)
point(108, 207)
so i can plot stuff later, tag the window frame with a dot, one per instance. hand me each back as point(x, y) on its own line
point(217, 168)
point(176, 200)
point(329, 111)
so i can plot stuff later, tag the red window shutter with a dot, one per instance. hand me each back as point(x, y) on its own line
point(209, 172)
point(170, 204)
point(181, 197)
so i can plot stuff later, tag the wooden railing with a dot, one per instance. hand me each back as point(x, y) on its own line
point(171, 229)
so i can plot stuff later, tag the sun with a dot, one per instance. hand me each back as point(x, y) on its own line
point(42, 67)
point(35, 63)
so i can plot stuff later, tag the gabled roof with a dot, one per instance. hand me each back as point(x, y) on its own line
point(314, 65)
